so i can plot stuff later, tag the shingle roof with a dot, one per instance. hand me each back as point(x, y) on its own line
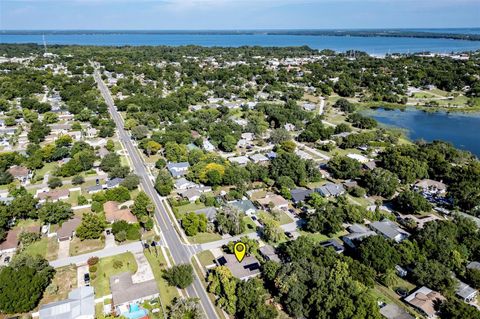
point(299, 194)
point(80, 302)
point(124, 290)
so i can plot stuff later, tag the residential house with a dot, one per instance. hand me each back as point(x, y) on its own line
point(91, 132)
point(357, 234)
point(192, 194)
point(276, 201)
point(248, 136)
point(401, 272)
point(21, 173)
point(182, 184)
point(125, 292)
point(334, 244)
point(431, 186)
point(425, 300)
point(309, 106)
point(370, 165)
point(360, 158)
point(240, 160)
point(178, 169)
point(246, 206)
point(393, 311)
point(268, 252)
point(474, 265)
point(94, 189)
point(68, 228)
point(10, 244)
point(300, 194)
point(53, 195)
point(248, 268)
point(207, 146)
point(465, 292)
point(289, 127)
point(259, 158)
point(330, 190)
point(303, 155)
point(209, 212)
point(271, 155)
point(102, 152)
point(389, 230)
point(113, 213)
point(80, 304)
point(114, 182)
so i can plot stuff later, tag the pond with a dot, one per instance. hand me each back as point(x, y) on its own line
point(460, 129)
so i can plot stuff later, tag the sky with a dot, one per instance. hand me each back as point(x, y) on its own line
point(235, 14)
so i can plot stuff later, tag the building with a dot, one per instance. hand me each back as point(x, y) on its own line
point(389, 230)
point(207, 146)
point(67, 230)
point(431, 186)
point(465, 292)
point(183, 184)
point(331, 190)
point(54, 195)
point(10, 244)
point(259, 158)
point(114, 182)
point(268, 252)
point(392, 311)
point(178, 169)
point(209, 212)
point(94, 189)
point(240, 160)
point(79, 305)
point(192, 194)
point(474, 265)
point(246, 206)
point(276, 201)
point(113, 213)
point(20, 173)
point(425, 299)
point(300, 194)
point(248, 268)
point(357, 234)
point(334, 244)
point(370, 165)
point(360, 158)
point(125, 292)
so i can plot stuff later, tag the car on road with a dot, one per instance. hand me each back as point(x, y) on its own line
point(86, 279)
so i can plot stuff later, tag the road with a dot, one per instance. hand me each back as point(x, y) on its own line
point(181, 253)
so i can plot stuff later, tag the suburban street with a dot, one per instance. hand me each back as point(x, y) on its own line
point(180, 252)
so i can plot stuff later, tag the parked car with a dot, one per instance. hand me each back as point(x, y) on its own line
point(402, 292)
point(86, 279)
point(289, 234)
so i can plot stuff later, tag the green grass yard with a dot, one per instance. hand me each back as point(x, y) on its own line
point(79, 247)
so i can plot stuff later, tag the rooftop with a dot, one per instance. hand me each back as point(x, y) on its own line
point(80, 304)
point(249, 267)
point(425, 299)
point(124, 290)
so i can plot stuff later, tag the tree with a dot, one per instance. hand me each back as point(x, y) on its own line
point(5, 178)
point(230, 221)
point(54, 182)
point(272, 231)
point(222, 283)
point(182, 308)
point(152, 148)
point(279, 135)
point(164, 183)
point(455, 309)
point(123, 231)
point(175, 152)
point(23, 282)
point(344, 167)
point(250, 244)
point(55, 213)
point(77, 180)
point(473, 277)
point(180, 276)
point(435, 275)
point(109, 162)
point(193, 223)
point(378, 253)
point(412, 202)
point(117, 194)
point(24, 205)
point(92, 226)
point(251, 302)
point(142, 205)
point(344, 105)
point(139, 132)
point(131, 182)
point(381, 182)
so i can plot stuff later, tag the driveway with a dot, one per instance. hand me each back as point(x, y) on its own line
point(144, 271)
point(110, 241)
point(80, 272)
point(63, 249)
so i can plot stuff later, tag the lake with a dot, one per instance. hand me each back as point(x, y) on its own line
point(371, 45)
point(462, 130)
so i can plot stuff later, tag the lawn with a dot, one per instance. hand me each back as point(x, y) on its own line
point(79, 247)
point(202, 238)
point(45, 247)
point(250, 225)
point(189, 208)
point(158, 263)
point(206, 258)
point(63, 282)
point(284, 218)
point(106, 269)
point(321, 237)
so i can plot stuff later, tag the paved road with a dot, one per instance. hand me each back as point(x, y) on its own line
point(180, 252)
point(106, 252)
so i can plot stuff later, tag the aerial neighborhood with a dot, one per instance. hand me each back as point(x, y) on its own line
point(128, 174)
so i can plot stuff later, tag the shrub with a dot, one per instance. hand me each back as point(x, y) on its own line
point(92, 261)
point(117, 264)
point(92, 269)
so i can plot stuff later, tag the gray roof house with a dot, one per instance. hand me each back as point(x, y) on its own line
point(178, 169)
point(299, 194)
point(268, 252)
point(474, 265)
point(183, 183)
point(465, 292)
point(210, 213)
point(248, 268)
point(389, 230)
point(79, 305)
point(357, 234)
point(330, 189)
point(114, 182)
point(94, 189)
point(245, 206)
point(124, 291)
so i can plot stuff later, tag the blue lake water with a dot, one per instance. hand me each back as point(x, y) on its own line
point(372, 45)
point(462, 130)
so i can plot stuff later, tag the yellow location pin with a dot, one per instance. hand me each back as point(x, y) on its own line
point(239, 250)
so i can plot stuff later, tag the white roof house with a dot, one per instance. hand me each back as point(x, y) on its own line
point(79, 305)
point(362, 159)
point(241, 160)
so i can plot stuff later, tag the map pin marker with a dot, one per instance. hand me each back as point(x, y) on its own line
point(239, 250)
